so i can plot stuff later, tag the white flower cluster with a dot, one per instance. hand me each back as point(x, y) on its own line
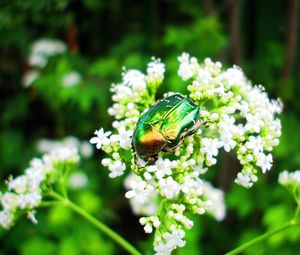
point(25, 193)
point(142, 196)
point(129, 100)
point(169, 242)
point(216, 196)
point(72, 78)
point(42, 49)
point(289, 178)
point(40, 53)
point(84, 148)
point(238, 117)
point(78, 180)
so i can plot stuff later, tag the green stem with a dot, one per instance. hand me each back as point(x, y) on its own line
point(49, 203)
point(101, 226)
point(262, 237)
point(297, 210)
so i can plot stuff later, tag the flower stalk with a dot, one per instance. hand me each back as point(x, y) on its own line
point(263, 237)
point(97, 223)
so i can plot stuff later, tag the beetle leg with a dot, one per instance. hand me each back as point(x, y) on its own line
point(196, 126)
point(171, 149)
point(206, 123)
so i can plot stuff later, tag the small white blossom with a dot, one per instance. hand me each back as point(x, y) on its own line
point(216, 196)
point(227, 131)
point(210, 148)
point(19, 184)
point(101, 138)
point(139, 189)
point(6, 219)
point(192, 186)
point(43, 49)
point(168, 187)
point(171, 241)
point(185, 70)
point(255, 144)
point(71, 79)
point(143, 203)
point(86, 149)
point(47, 145)
point(117, 168)
point(264, 161)
point(285, 178)
point(155, 71)
point(254, 122)
point(161, 168)
point(78, 180)
point(244, 180)
point(135, 79)
point(124, 138)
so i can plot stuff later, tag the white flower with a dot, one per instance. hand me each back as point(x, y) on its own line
point(139, 189)
point(243, 180)
point(171, 242)
point(19, 184)
point(285, 178)
point(101, 138)
point(135, 79)
point(9, 201)
point(117, 168)
point(243, 107)
point(264, 161)
point(25, 192)
point(44, 48)
point(155, 71)
point(168, 187)
point(30, 200)
point(161, 168)
point(192, 186)
point(6, 219)
point(78, 180)
point(255, 144)
point(86, 149)
point(124, 138)
point(175, 238)
point(254, 122)
point(63, 154)
point(163, 249)
point(36, 173)
point(216, 196)
point(70, 79)
point(210, 148)
point(226, 130)
point(122, 92)
point(185, 71)
point(233, 76)
point(144, 203)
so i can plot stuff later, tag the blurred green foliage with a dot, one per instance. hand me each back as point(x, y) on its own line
point(102, 37)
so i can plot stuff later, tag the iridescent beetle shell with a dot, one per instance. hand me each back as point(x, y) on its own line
point(164, 126)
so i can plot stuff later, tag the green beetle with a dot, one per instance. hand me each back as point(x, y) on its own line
point(164, 126)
